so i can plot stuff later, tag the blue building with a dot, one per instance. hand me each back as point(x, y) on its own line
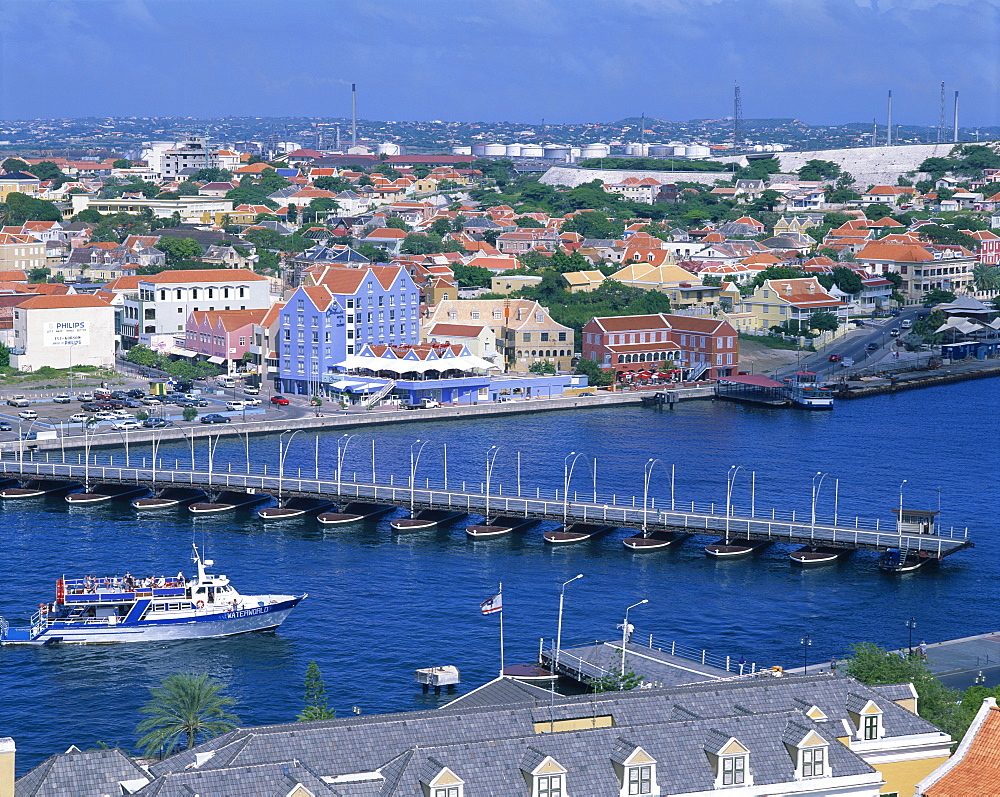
point(344, 309)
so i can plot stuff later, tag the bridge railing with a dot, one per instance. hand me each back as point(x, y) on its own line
point(701, 518)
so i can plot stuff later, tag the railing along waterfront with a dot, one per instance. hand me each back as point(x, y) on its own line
point(690, 517)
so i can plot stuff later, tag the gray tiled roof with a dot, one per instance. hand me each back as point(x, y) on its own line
point(80, 772)
point(489, 740)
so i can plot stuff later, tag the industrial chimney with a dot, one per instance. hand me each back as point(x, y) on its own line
point(888, 132)
point(956, 118)
point(354, 115)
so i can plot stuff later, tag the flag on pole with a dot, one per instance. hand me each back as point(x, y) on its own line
point(492, 605)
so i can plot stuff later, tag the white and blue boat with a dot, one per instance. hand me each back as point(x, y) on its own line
point(153, 609)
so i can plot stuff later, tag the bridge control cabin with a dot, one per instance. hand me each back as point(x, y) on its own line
point(916, 521)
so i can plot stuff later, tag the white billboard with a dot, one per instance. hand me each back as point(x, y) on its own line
point(66, 333)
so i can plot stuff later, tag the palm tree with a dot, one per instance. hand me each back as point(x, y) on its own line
point(986, 278)
point(183, 708)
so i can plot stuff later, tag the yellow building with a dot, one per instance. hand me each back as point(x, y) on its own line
point(683, 287)
point(21, 252)
point(584, 281)
point(508, 283)
point(18, 182)
point(778, 301)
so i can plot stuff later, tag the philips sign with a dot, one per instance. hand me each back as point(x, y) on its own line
point(66, 333)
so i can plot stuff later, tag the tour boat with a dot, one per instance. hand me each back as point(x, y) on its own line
point(151, 609)
point(805, 391)
point(894, 560)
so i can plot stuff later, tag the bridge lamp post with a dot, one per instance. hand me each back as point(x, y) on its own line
point(730, 483)
point(806, 641)
point(625, 633)
point(899, 520)
point(815, 494)
point(647, 474)
point(414, 462)
point(491, 460)
point(341, 453)
point(567, 478)
point(562, 592)
point(282, 453)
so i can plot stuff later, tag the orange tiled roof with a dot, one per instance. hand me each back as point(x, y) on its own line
point(978, 771)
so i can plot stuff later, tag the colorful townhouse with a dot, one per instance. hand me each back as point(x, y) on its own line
point(222, 337)
point(348, 308)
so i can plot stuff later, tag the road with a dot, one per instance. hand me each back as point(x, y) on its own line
point(854, 345)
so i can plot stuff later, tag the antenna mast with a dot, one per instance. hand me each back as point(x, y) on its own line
point(956, 117)
point(888, 128)
point(737, 118)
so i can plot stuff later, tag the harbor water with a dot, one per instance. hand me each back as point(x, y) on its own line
point(383, 604)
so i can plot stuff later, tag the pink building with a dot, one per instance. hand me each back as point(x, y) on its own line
point(222, 335)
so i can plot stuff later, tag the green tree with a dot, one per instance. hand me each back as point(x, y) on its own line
point(937, 296)
point(212, 174)
point(388, 171)
point(121, 163)
point(182, 710)
point(315, 699)
point(14, 165)
point(89, 215)
point(596, 376)
point(47, 170)
point(396, 223)
point(20, 208)
point(38, 275)
point(616, 681)
point(542, 367)
point(824, 322)
point(143, 356)
point(417, 244)
point(592, 224)
point(527, 221)
point(335, 184)
point(948, 235)
point(986, 277)
point(190, 413)
point(4, 356)
point(819, 170)
point(472, 276)
point(178, 249)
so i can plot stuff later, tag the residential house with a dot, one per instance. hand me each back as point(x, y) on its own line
point(21, 252)
point(222, 337)
point(636, 189)
point(891, 195)
point(506, 284)
point(923, 267)
point(479, 340)
point(698, 347)
point(584, 281)
point(164, 301)
point(216, 189)
point(988, 250)
point(683, 287)
point(792, 224)
point(498, 264)
point(18, 182)
point(528, 239)
point(777, 301)
point(63, 330)
point(229, 257)
point(389, 238)
point(524, 330)
point(192, 209)
point(322, 324)
point(974, 769)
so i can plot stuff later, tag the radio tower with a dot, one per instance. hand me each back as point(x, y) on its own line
point(737, 118)
point(940, 132)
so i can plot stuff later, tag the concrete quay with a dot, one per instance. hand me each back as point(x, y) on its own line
point(348, 420)
point(912, 380)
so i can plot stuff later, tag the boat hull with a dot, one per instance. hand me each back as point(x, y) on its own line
point(817, 556)
point(207, 626)
point(574, 533)
point(735, 548)
point(654, 542)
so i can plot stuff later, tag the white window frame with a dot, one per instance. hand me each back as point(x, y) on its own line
point(813, 761)
point(550, 785)
point(636, 783)
point(733, 770)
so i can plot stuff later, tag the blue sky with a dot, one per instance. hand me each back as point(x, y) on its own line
point(822, 61)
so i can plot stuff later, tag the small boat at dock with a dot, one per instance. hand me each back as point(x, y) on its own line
point(354, 512)
point(228, 501)
point(37, 488)
point(654, 541)
point(103, 493)
point(425, 519)
point(499, 526)
point(126, 609)
point(734, 548)
point(295, 508)
point(805, 391)
point(575, 532)
point(894, 560)
point(816, 555)
point(168, 498)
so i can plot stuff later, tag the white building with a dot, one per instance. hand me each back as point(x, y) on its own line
point(61, 331)
point(165, 300)
point(192, 209)
point(168, 159)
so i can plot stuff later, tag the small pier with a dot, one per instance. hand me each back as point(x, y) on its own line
point(657, 664)
point(753, 389)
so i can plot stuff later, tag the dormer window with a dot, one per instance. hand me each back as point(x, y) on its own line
point(549, 786)
point(640, 779)
point(813, 762)
point(867, 718)
point(543, 774)
point(869, 730)
point(734, 770)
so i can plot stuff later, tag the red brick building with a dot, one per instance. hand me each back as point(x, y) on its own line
point(700, 347)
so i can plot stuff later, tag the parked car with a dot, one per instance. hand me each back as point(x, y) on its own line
point(847, 362)
point(27, 415)
point(235, 406)
point(127, 423)
point(252, 390)
point(151, 402)
point(214, 417)
point(104, 415)
point(78, 417)
point(135, 393)
point(157, 423)
point(122, 414)
point(85, 397)
point(62, 398)
point(253, 402)
point(280, 400)
point(5, 427)
point(121, 395)
point(89, 407)
point(133, 404)
point(18, 401)
point(197, 401)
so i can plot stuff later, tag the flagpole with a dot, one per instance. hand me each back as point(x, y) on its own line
point(500, 593)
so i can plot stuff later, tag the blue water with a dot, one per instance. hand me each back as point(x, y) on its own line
point(382, 605)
